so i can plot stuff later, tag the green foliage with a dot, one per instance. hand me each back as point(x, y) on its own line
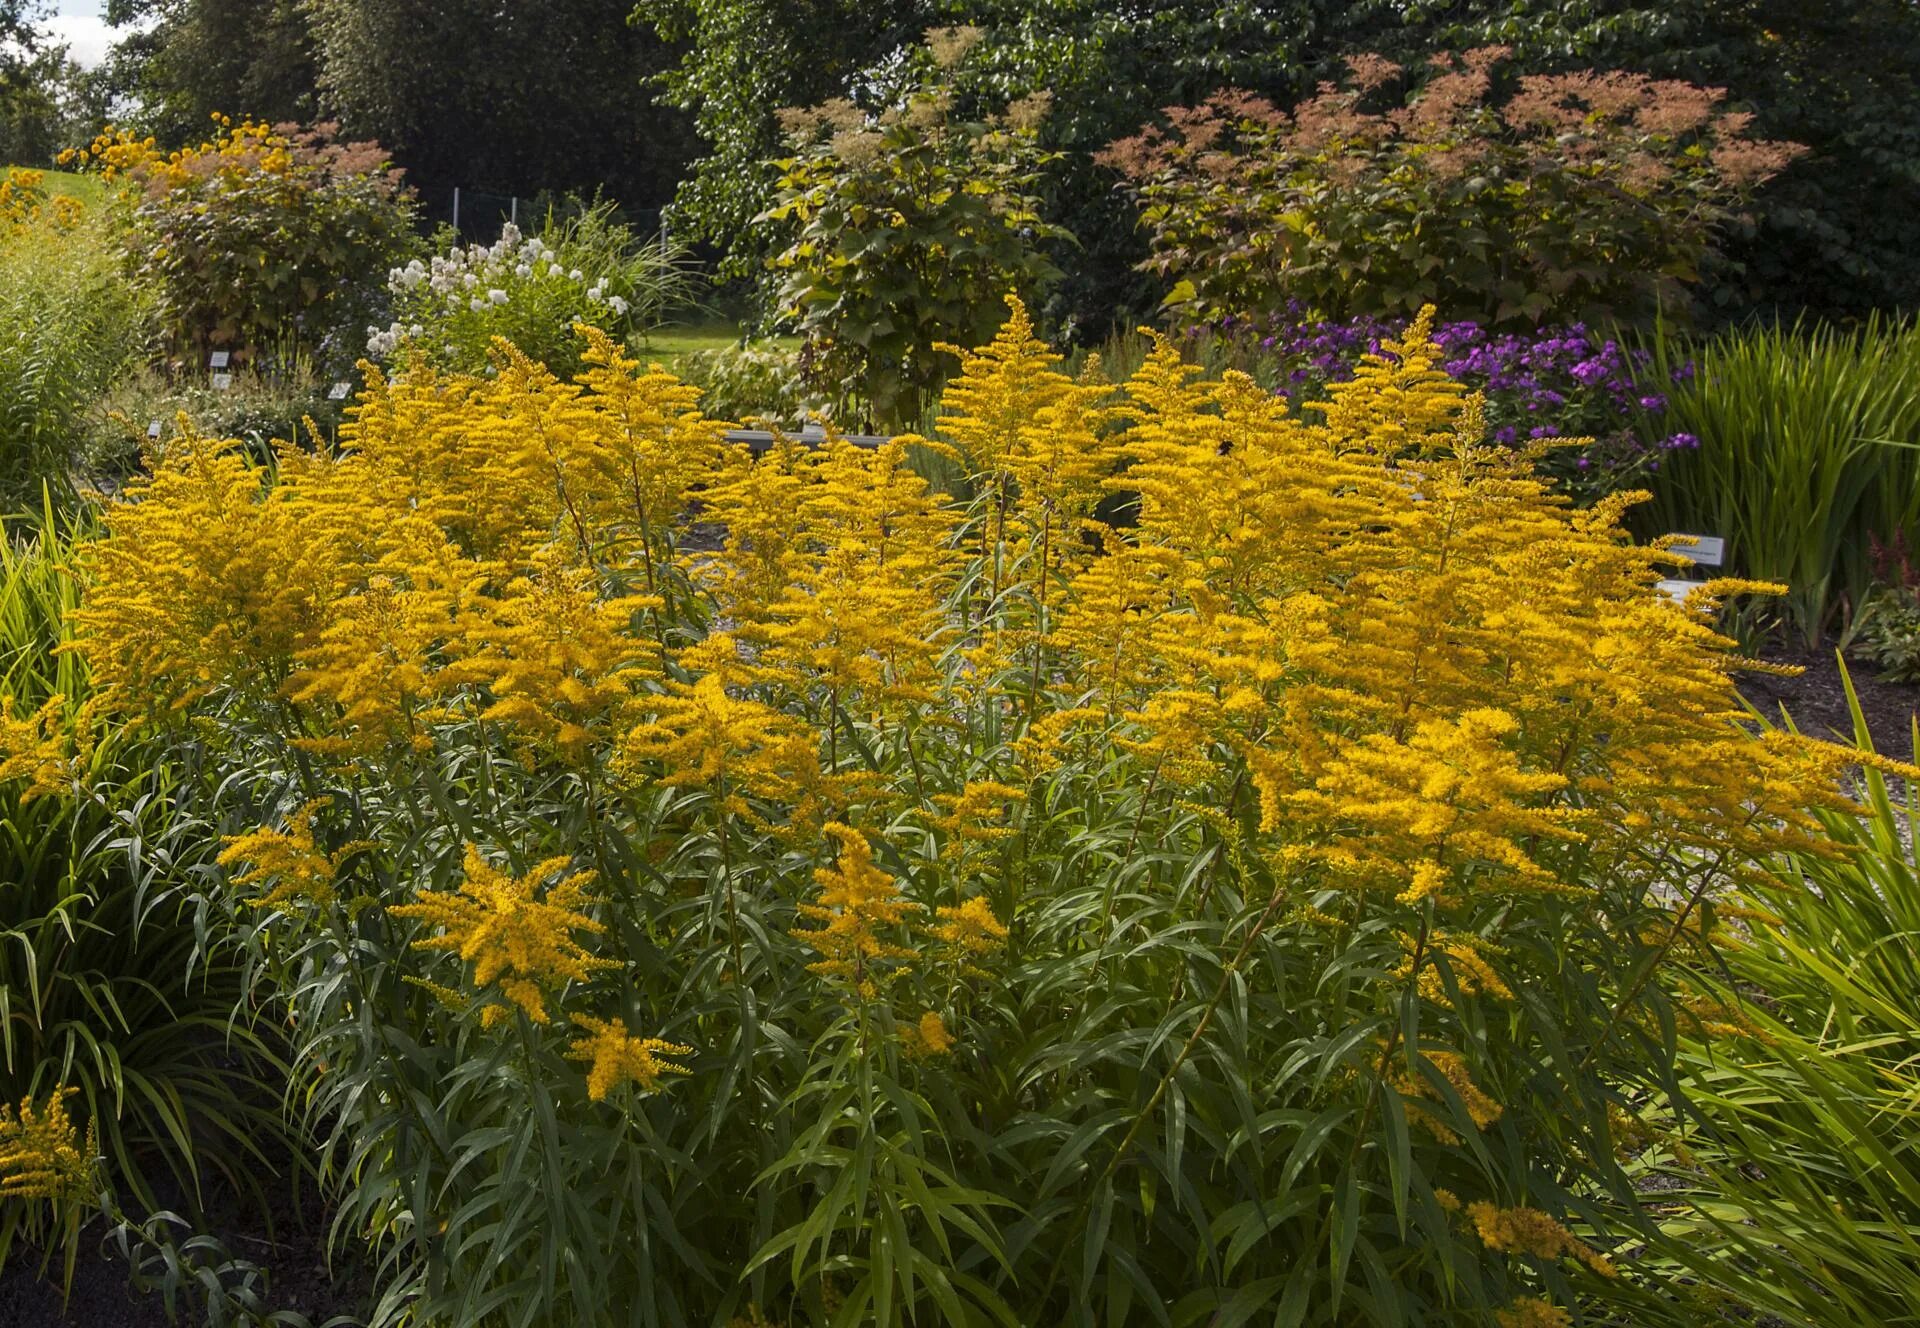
point(178, 62)
point(528, 97)
point(71, 322)
point(1801, 1173)
point(118, 976)
point(262, 404)
point(1807, 456)
point(907, 227)
point(752, 381)
point(531, 290)
point(1888, 632)
point(741, 60)
point(261, 237)
point(1578, 197)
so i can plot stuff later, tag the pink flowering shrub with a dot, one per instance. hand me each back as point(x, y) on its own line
point(1579, 196)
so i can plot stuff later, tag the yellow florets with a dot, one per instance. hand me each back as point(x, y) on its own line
point(289, 859)
point(617, 1057)
point(857, 905)
point(513, 937)
point(41, 1153)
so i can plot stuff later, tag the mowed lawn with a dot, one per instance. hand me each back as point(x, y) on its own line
point(671, 345)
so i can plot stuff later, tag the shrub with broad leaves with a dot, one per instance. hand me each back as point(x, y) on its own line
point(907, 226)
point(264, 239)
point(1578, 196)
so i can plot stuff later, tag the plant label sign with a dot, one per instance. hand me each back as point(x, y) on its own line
point(222, 381)
point(220, 359)
point(339, 391)
point(1705, 551)
point(153, 428)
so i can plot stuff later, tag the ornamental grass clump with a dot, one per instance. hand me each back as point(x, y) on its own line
point(909, 913)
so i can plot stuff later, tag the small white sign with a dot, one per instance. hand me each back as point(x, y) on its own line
point(153, 428)
point(340, 392)
point(220, 359)
point(222, 381)
point(1677, 591)
point(1704, 551)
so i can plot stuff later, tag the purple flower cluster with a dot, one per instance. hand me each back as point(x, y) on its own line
point(1553, 382)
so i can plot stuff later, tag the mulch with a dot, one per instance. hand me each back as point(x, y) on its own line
point(1816, 700)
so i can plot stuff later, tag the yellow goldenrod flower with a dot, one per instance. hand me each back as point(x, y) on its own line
point(1532, 1312)
point(37, 748)
point(856, 904)
point(513, 938)
point(1532, 1232)
point(971, 929)
point(41, 1154)
point(928, 1036)
point(617, 1057)
point(297, 867)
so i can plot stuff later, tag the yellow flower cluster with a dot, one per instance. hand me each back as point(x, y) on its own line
point(1531, 1232)
point(616, 1057)
point(36, 748)
point(857, 907)
point(289, 860)
point(513, 936)
point(1392, 652)
point(41, 1154)
point(24, 203)
point(245, 147)
point(1532, 1312)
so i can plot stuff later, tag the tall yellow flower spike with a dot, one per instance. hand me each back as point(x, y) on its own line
point(857, 904)
point(41, 1154)
point(616, 1057)
point(513, 937)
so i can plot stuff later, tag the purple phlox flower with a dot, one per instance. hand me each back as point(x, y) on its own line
point(1681, 441)
point(1654, 402)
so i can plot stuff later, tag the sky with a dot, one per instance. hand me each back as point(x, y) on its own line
point(78, 24)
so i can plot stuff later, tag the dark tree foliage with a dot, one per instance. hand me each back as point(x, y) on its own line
point(1835, 234)
point(191, 58)
point(504, 96)
point(742, 60)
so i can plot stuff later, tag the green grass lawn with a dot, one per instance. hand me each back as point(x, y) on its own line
point(670, 345)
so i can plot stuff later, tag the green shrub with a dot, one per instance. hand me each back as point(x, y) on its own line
point(1801, 448)
point(71, 322)
point(753, 381)
point(259, 406)
point(259, 237)
point(907, 227)
point(1581, 197)
point(532, 290)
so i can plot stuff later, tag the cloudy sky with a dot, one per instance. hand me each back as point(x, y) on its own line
point(79, 25)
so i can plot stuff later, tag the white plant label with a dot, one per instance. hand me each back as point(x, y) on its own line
point(1705, 551)
point(222, 381)
point(220, 359)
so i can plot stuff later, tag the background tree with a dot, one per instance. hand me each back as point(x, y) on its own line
point(183, 60)
point(501, 96)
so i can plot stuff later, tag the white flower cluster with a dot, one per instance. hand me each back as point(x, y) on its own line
point(481, 277)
